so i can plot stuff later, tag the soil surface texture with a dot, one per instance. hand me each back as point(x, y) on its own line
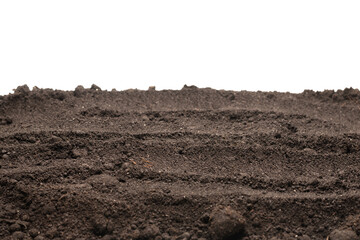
point(179, 165)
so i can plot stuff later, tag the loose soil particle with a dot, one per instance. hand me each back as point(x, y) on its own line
point(93, 164)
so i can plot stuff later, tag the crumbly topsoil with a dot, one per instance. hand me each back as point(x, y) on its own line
point(188, 164)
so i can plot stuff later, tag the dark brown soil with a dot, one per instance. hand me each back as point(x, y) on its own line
point(188, 164)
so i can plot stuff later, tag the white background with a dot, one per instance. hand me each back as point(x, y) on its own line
point(240, 45)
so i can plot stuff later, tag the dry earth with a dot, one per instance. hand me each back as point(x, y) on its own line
point(188, 164)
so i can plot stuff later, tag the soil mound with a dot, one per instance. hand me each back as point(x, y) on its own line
point(188, 164)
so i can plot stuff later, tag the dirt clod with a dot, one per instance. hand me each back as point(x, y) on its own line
point(52, 232)
point(5, 121)
point(39, 237)
point(102, 180)
point(304, 237)
point(77, 153)
point(345, 234)
point(109, 237)
point(33, 232)
point(205, 218)
point(184, 236)
point(24, 89)
point(149, 232)
point(95, 87)
point(79, 91)
point(14, 227)
point(165, 236)
point(99, 226)
point(226, 223)
point(18, 235)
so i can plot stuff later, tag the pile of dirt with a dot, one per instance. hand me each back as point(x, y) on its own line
point(192, 164)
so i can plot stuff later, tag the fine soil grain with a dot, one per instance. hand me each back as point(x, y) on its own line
point(188, 164)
